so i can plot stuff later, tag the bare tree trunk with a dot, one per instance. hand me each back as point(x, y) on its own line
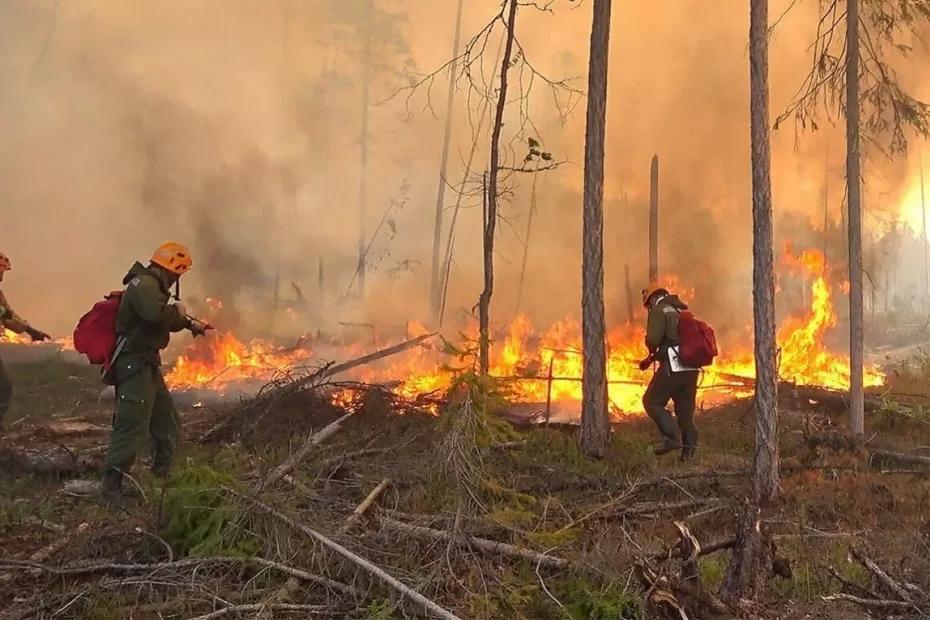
point(363, 142)
point(751, 558)
point(450, 238)
point(654, 221)
point(629, 293)
point(853, 186)
point(484, 302)
point(435, 282)
point(595, 422)
point(526, 244)
point(765, 403)
point(321, 277)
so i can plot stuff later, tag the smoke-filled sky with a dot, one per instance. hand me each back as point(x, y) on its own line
point(235, 127)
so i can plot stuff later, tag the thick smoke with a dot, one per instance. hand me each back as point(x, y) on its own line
point(236, 126)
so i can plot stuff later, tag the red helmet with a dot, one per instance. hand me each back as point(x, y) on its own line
point(5, 264)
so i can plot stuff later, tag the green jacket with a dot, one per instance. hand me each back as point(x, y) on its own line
point(662, 324)
point(145, 317)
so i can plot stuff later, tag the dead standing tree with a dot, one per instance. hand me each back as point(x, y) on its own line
point(751, 557)
point(594, 438)
point(851, 75)
point(374, 37)
point(512, 61)
point(654, 221)
point(436, 273)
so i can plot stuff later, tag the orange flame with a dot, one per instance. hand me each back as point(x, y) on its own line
point(547, 366)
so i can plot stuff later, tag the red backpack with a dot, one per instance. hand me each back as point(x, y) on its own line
point(698, 345)
point(95, 334)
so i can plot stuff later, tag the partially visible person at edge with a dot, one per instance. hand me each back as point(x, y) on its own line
point(144, 323)
point(16, 324)
point(671, 381)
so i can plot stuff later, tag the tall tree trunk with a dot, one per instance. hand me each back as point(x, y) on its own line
point(654, 221)
point(765, 403)
point(853, 186)
point(484, 302)
point(629, 293)
point(595, 422)
point(435, 283)
point(751, 558)
point(526, 244)
point(363, 143)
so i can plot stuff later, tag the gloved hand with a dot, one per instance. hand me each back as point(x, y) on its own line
point(37, 335)
point(646, 363)
point(199, 328)
point(182, 308)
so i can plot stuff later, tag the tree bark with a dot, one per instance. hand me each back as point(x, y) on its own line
point(765, 402)
point(853, 186)
point(629, 293)
point(363, 144)
point(595, 422)
point(484, 302)
point(654, 221)
point(435, 276)
point(526, 244)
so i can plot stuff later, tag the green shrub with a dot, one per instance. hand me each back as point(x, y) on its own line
point(201, 518)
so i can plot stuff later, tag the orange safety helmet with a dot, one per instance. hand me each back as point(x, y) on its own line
point(5, 264)
point(174, 257)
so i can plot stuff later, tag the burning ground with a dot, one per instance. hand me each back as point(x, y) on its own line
point(538, 366)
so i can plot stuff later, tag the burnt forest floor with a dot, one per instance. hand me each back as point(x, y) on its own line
point(582, 526)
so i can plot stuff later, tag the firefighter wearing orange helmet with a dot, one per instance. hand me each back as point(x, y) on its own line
point(145, 321)
point(16, 324)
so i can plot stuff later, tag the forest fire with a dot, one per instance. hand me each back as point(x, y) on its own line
point(546, 366)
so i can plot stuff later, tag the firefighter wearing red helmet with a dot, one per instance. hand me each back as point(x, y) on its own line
point(672, 381)
point(16, 324)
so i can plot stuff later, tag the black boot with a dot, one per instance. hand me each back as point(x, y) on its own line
point(161, 471)
point(113, 484)
point(667, 445)
point(687, 453)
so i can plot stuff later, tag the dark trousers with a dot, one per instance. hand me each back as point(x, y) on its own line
point(6, 391)
point(144, 411)
point(680, 388)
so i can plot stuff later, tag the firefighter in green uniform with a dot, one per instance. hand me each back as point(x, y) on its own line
point(144, 323)
point(13, 322)
point(671, 381)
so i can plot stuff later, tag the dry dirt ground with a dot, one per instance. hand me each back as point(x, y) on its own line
point(590, 526)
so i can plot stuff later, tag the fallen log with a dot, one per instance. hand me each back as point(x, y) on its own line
point(899, 456)
point(355, 559)
point(261, 607)
point(869, 603)
point(291, 463)
point(367, 503)
point(884, 578)
point(491, 547)
point(47, 460)
point(363, 360)
point(111, 567)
